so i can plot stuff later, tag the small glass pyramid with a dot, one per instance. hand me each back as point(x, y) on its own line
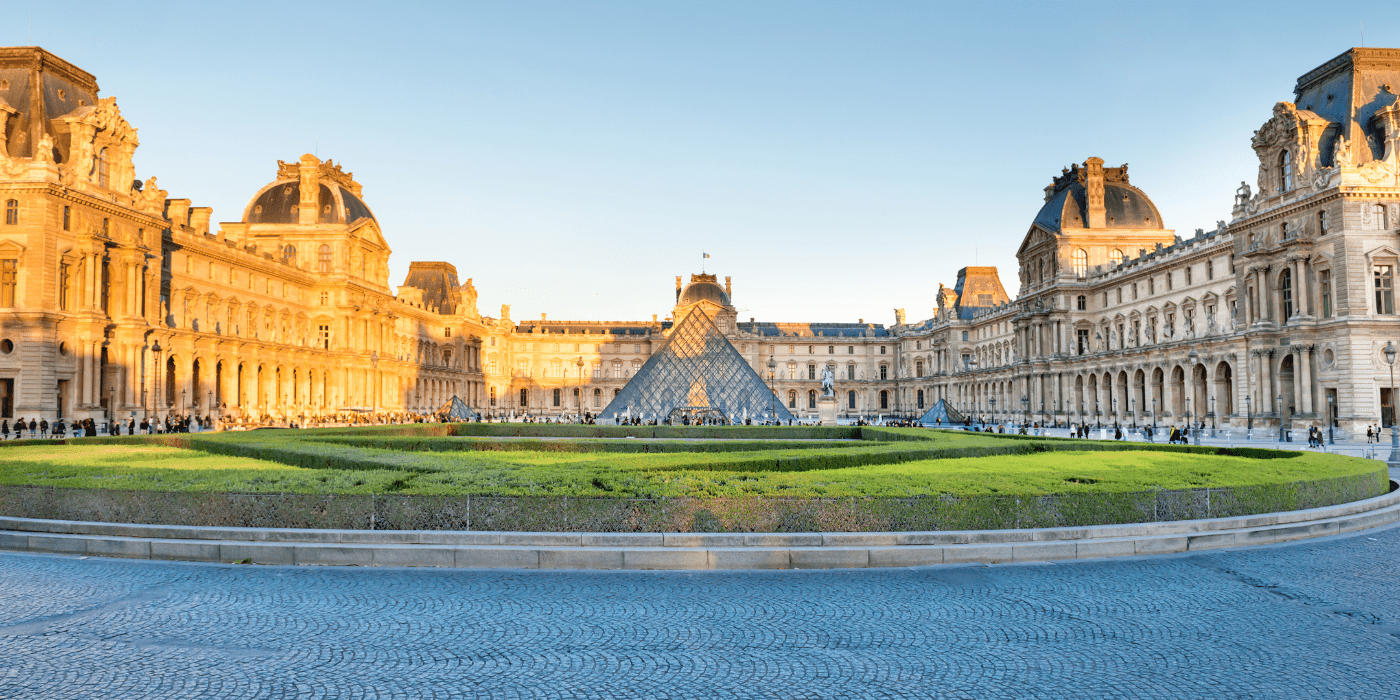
point(698, 371)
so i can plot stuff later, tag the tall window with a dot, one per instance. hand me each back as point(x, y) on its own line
point(811, 371)
point(792, 399)
point(63, 286)
point(9, 281)
point(323, 259)
point(67, 218)
point(556, 398)
point(493, 396)
point(1385, 290)
point(1082, 338)
point(524, 398)
point(921, 398)
point(324, 336)
point(1285, 284)
point(102, 168)
point(811, 399)
point(289, 253)
point(884, 399)
point(1324, 283)
point(1081, 303)
point(11, 212)
point(851, 372)
point(1210, 269)
point(1322, 223)
point(850, 399)
point(1285, 171)
point(1187, 272)
point(597, 398)
point(884, 372)
point(1081, 262)
point(1116, 257)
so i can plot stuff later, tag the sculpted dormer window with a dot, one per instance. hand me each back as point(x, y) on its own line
point(1081, 262)
point(102, 167)
point(1285, 171)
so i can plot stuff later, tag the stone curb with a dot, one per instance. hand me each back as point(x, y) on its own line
point(688, 551)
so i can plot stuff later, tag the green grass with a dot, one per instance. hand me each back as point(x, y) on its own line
point(433, 459)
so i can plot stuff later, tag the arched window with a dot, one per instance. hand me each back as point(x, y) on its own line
point(493, 396)
point(1081, 262)
point(1285, 171)
point(851, 400)
point(524, 398)
point(597, 398)
point(884, 399)
point(556, 398)
point(1115, 257)
point(12, 212)
point(289, 253)
point(323, 259)
point(792, 399)
point(921, 398)
point(1082, 303)
point(811, 399)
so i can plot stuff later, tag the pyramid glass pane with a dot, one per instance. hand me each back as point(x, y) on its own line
point(696, 368)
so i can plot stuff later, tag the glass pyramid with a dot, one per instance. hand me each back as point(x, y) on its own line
point(696, 369)
point(943, 414)
point(456, 410)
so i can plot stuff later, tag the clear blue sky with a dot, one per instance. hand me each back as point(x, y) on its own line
point(837, 159)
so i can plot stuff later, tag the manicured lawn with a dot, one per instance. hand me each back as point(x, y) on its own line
point(430, 460)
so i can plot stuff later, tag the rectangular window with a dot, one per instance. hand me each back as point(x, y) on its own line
point(882, 349)
point(811, 371)
point(1082, 303)
point(1169, 281)
point(1120, 295)
point(1082, 337)
point(1188, 274)
point(1322, 223)
point(1324, 283)
point(884, 372)
point(851, 372)
point(1385, 290)
point(850, 349)
point(1210, 269)
point(68, 218)
point(1135, 290)
point(984, 300)
point(325, 336)
point(9, 281)
point(12, 212)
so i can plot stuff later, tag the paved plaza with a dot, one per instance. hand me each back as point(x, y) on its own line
point(1317, 619)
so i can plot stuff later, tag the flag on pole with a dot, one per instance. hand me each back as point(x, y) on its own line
point(705, 254)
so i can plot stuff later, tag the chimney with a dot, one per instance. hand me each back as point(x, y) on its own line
point(178, 211)
point(678, 287)
point(727, 289)
point(505, 312)
point(199, 219)
point(544, 317)
point(310, 171)
point(1093, 192)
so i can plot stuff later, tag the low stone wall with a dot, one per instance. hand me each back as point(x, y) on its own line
point(564, 514)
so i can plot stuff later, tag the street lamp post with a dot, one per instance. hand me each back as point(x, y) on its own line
point(1132, 411)
point(1193, 358)
point(579, 403)
point(1026, 407)
point(993, 402)
point(1212, 416)
point(1189, 429)
point(1280, 417)
point(1154, 412)
point(1248, 419)
point(772, 393)
point(1394, 460)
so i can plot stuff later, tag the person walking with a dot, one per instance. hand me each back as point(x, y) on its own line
point(44, 428)
point(33, 428)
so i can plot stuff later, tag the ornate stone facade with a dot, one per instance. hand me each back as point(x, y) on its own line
point(1265, 320)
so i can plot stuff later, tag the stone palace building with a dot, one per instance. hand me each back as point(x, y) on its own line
point(116, 299)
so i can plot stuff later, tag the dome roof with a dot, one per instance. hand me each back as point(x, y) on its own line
point(277, 204)
point(703, 290)
point(1125, 206)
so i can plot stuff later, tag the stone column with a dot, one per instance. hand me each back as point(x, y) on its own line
point(1267, 357)
point(1302, 291)
point(1303, 359)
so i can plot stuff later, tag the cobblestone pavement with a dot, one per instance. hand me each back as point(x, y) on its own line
point(1315, 619)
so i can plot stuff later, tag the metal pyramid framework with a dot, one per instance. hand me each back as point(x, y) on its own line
point(696, 368)
point(456, 410)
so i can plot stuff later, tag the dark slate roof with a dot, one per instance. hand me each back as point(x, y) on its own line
point(1124, 206)
point(703, 291)
point(815, 330)
point(274, 205)
point(438, 280)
